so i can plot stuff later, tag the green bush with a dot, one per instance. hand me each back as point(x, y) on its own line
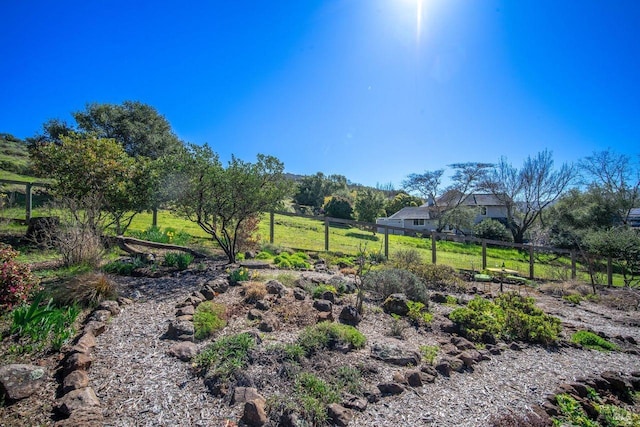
point(593, 341)
point(319, 290)
point(181, 260)
point(314, 394)
point(226, 356)
point(326, 335)
point(208, 318)
point(405, 259)
point(169, 236)
point(124, 267)
point(492, 230)
point(510, 316)
point(418, 314)
point(239, 275)
point(385, 282)
point(438, 277)
point(573, 298)
point(572, 412)
point(429, 353)
point(297, 261)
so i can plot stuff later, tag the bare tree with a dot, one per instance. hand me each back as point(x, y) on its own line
point(527, 192)
point(617, 179)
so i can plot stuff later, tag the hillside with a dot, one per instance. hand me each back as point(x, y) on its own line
point(14, 157)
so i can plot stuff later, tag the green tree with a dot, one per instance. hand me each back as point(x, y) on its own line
point(313, 189)
point(401, 200)
point(369, 205)
point(221, 200)
point(138, 127)
point(493, 230)
point(622, 244)
point(339, 207)
point(85, 167)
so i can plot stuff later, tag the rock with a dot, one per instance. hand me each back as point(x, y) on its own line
point(390, 388)
point(515, 346)
point(340, 415)
point(417, 378)
point(41, 230)
point(448, 326)
point(396, 304)
point(350, 316)
point(398, 377)
point(100, 315)
point(184, 351)
point(372, 394)
point(446, 365)
point(111, 306)
point(462, 343)
point(299, 294)
point(470, 357)
point(198, 295)
point(395, 355)
point(329, 296)
point(450, 349)
point(85, 343)
point(94, 327)
point(275, 288)
point(78, 362)
point(254, 413)
point(19, 381)
point(245, 394)
point(75, 380)
point(191, 300)
point(124, 301)
point(219, 285)
point(187, 310)
point(90, 416)
point(263, 305)
point(456, 364)
point(324, 316)
point(249, 255)
point(207, 292)
point(354, 402)
point(180, 330)
point(77, 400)
point(185, 318)
point(268, 324)
point(618, 385)
point(323, 305)
point(254, 314)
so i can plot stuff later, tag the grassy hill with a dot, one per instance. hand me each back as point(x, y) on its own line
point(14, 158)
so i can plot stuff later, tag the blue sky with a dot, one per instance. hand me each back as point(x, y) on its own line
point(370, 89)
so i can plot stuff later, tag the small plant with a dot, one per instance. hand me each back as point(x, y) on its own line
point(593, 341)
point(391, 281)
point(17, 282)
point(405, 259)
point(417, 313)
point(349, 378)
point(226, 356)
point(397, 327)
point(451, 300)
point(124, 267)
point(208, 318)
point(297, 261)
point(169, 235)
point(314, 394)
point(254, 291)
point(573, 298)
point(87, 290)
point(572, 412)
point(239, 275)
point(328, 335)
point(429, 353)
point(181, 260)
point(319, 290)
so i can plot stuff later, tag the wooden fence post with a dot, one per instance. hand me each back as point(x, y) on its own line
point(433, 247)
point(609, 271)
point(326, 234)
point(531, 262)
point(271, 227)
point(386, 242)
point(484, 255)
point(28, 199)
point(154, 217)
point(573, 265)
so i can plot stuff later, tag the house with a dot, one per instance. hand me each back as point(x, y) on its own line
point(423, 219)
point(634, 217)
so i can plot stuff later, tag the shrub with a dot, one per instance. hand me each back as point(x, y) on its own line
point(418, 314)
point(391, 281)
point(397, 327)
point(492, 230)
point(208, 318)
point(296, 261)
point(327, 335)
point(239, 275)
point(349, 378)
point(405, 259)
point(79, 244)
point(314, 394)
point(572, 411)
point(16, 280)
point(169, 235)
point(124, 267)
point(319, 290)
point(254, 291)
point(439, 277)
point(87, 290)
point(429, 353)
point(226, 356)
point(573, 298)
point(593, 341)
point(181, 260)
point(510, 316)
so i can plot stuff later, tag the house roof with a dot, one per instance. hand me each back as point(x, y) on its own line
point(477, 199)
point(420, 212)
